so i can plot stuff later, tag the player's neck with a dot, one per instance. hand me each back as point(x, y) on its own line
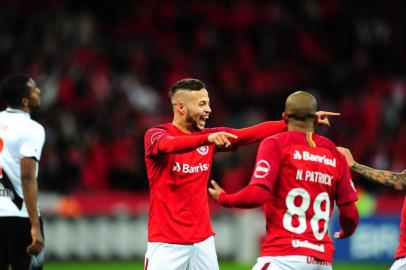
point(21, 108)
point(182, 126)
point(301, 126)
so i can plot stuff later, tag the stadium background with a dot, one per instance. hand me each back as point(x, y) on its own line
point(105, 68)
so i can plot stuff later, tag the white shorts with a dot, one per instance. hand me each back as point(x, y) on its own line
point(199, 256)
point(399, 264)
point(295, 262)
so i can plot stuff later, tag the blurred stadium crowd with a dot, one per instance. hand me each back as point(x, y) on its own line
point(105, 68)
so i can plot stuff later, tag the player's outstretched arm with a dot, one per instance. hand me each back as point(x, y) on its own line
point(390, 179)
point(348, 219)
point(249, 197)
point(260, 131)
point(158, 142)
point(176, 144)
point(171, 144)
point(30, 188)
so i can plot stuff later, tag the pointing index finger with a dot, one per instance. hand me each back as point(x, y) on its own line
point(333, 114)
point(230, 135)
point(324, 113)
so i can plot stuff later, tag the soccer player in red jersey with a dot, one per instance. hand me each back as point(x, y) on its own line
point(297, 178)
point(390, 179)
point(179, 157)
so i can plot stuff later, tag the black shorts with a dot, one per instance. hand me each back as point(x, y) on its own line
point(15, 237)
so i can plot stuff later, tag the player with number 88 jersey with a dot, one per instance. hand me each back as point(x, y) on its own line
point(303, 190)
point(297, 178)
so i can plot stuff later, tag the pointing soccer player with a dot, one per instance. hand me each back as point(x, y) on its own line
point(298, 177)
point(179, 157)
point(390, 179)
point(21, 142)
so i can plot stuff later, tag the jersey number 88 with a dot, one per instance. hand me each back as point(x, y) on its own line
point(300, 212)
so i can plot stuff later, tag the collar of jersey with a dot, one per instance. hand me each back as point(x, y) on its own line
point(12, 110)
point(180, 132)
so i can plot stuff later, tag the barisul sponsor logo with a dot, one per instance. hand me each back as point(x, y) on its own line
point(307, 156)
point(306, 244)
point(187, 168)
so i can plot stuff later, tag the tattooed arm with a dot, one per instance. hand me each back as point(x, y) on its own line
point(390, 179)
point(387, 178)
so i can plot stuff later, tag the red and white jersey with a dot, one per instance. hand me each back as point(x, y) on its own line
point(401, 251)
point(305, 175)
point(179, 211)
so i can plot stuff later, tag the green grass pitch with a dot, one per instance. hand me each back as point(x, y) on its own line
point(223, 266)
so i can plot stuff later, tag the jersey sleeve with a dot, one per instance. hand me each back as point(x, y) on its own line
point(348, 219)
point(151, 140)
point(157, 141)
point(345, 192)
point(249, 197)
point(258, 132)
point(267, 164)
point(251, 134)
point(33, 142)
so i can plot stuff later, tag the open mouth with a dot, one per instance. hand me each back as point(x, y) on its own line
point(203, 120)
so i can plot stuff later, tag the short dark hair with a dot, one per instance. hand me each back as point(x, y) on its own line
point(188, 84)
point(14, 88)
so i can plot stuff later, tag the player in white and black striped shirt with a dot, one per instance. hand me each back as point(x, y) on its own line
point(21, 142)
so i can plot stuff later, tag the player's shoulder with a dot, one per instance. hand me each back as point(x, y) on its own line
point(325, 142)
point(34, 128)
point(278, 138)
point(273, 140)
point(156, 132)
point(36, 125)
point(4, 114)
point(159, 128)
point(22, 121)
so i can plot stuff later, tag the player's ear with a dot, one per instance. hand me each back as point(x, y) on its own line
point(25, 101)
point(181, 107)
point(285, 117)
point(316, 119)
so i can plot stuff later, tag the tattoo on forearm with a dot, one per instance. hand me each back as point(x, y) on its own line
point(387, 178)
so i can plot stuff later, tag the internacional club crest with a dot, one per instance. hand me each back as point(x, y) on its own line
point(203, 150)
point(262, 169)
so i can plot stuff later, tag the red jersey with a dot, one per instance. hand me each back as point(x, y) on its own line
point(179, 211)
point(401, 251)
point(305, 175)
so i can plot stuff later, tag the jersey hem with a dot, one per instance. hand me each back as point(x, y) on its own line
point(179, 242)
point(323, 257)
